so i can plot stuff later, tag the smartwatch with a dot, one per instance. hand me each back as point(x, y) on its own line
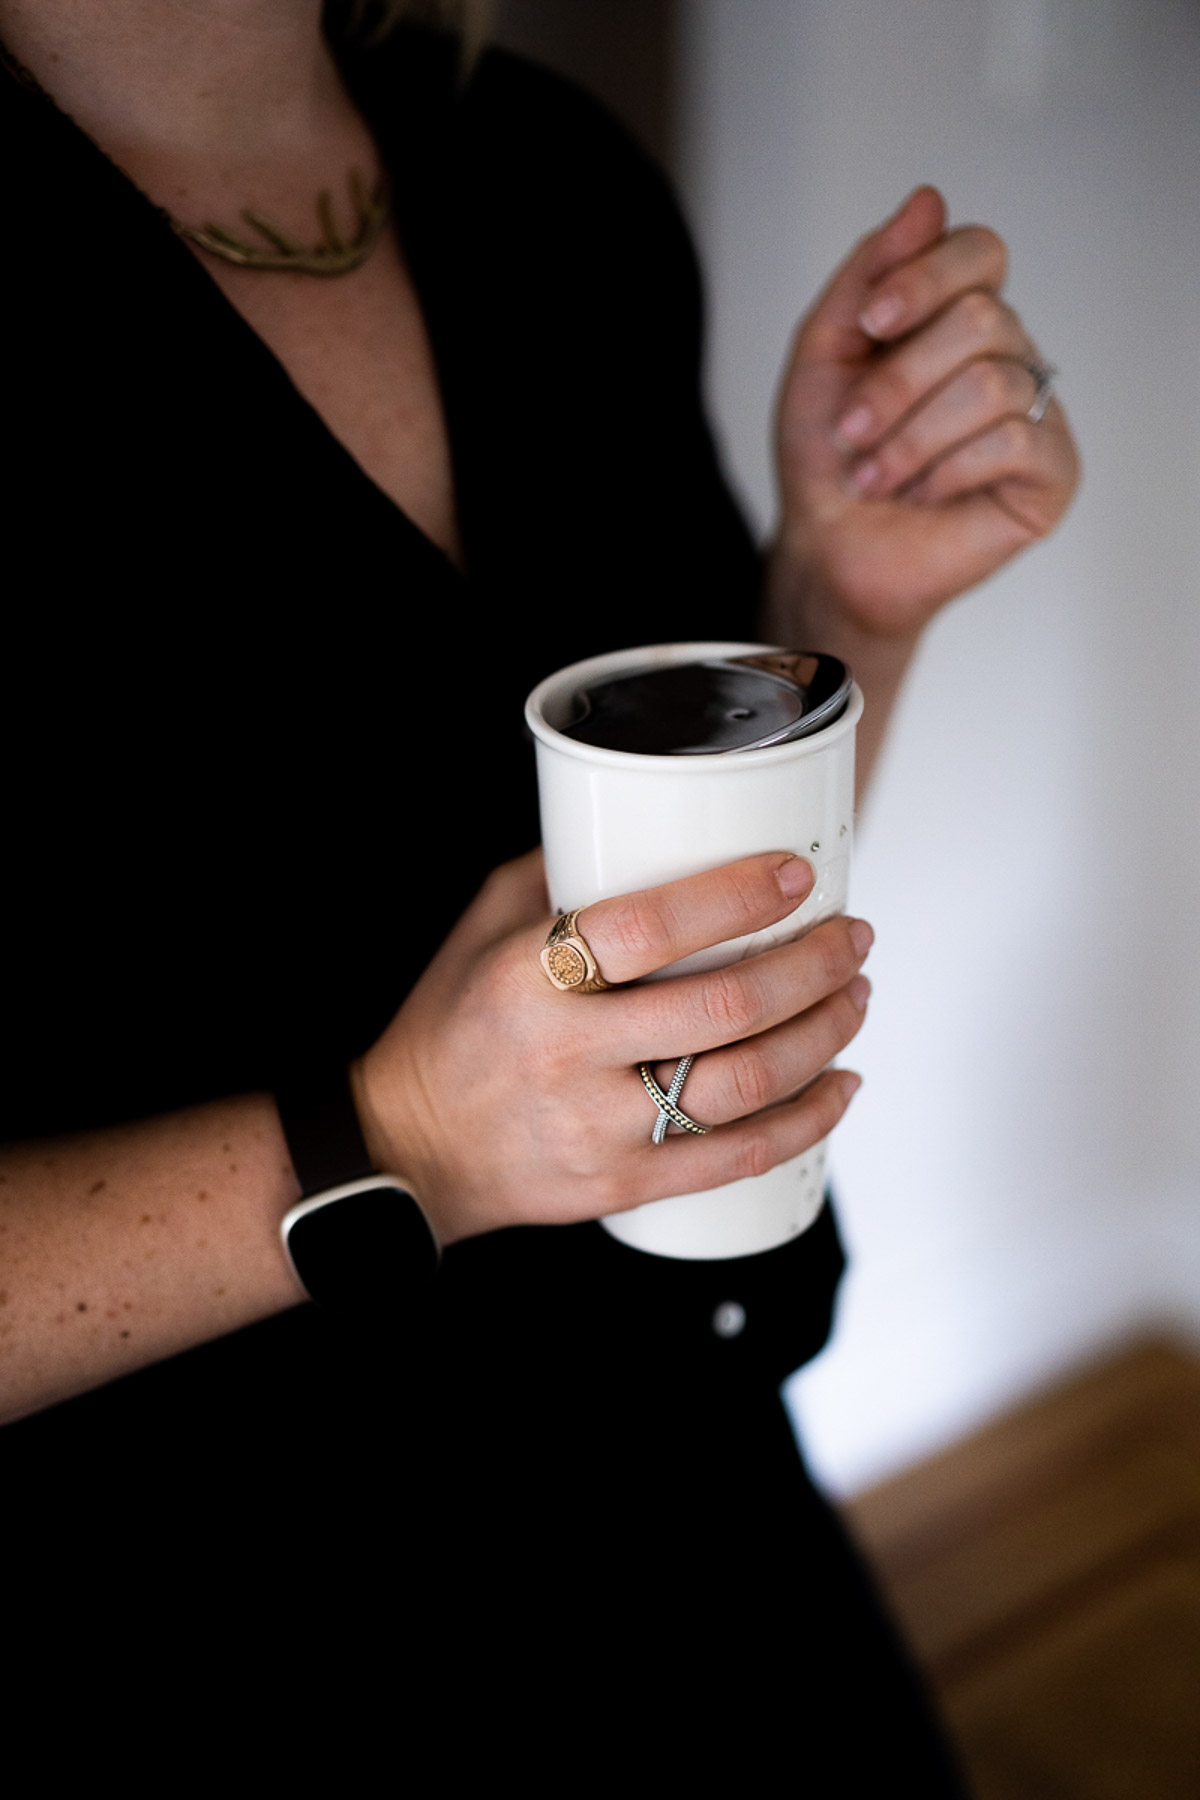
point(357, 1240)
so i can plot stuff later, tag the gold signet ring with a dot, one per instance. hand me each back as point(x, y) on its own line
point(567, 960)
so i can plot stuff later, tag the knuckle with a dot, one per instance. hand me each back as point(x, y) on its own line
point(755, 1154)
point(829, 1103)
point(853, 1017)
point(755, 893)
point(845, 1023)
point(988, 384)
point(584, 1150)
point(753, 1079)
point(838, 959)
point(729, 1003)
point(979, 311)
point(637, 927)
point(830, 1033)
point(1014, 439)
point(916, 288)
point(1010, 329)
point(990, 248)
point(997, 251)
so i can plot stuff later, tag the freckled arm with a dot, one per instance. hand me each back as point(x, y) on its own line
point(121, 1247)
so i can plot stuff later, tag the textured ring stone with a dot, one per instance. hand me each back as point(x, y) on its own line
point(568, 961)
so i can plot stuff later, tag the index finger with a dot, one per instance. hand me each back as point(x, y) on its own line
point(833, 329)
point(970, 259)
point(635, 934)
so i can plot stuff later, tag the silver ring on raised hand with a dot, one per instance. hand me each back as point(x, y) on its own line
point(1043, 378)
point(669, 1112)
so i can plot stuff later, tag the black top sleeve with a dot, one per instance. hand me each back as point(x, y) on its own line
point(230, 656)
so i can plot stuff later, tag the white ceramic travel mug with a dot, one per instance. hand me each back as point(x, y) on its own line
point(613, 822)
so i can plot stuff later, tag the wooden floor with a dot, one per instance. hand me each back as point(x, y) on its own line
point(1047, 1571)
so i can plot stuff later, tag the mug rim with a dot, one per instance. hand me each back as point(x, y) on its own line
point(612, 662)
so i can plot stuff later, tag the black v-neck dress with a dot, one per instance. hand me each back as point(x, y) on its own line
point(238, 823)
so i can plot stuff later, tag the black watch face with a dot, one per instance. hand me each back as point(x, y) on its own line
point(365, 1251)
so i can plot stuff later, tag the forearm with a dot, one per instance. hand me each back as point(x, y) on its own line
point(799, 610)
point(121, 1247)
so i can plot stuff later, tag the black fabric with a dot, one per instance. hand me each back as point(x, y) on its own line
point(321, 1125)
point(238, 826)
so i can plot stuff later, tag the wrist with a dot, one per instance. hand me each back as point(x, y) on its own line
point(393, 1151)
point(806, 610)
point(363, 1093)
point(358, 1237)
point(807, 607)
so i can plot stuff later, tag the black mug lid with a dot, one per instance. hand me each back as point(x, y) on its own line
point(712, 706)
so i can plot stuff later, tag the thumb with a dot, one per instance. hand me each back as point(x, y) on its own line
point(832, 331)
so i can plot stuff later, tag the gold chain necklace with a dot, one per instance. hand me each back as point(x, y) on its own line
point(332, 256)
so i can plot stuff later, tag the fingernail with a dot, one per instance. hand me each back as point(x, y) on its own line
point(861, 936)
point(882, 315)
point(868, 477)
point(855, 428)
point(795, 877)
point(859, 991)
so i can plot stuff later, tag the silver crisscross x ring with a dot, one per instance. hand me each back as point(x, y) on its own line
point(669, 1112)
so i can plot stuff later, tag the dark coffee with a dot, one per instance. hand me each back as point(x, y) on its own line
point(710, 707)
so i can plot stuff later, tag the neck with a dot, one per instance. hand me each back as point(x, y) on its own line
point(208, 105)
point(241, 80)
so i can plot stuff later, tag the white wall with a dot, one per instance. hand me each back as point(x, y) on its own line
point(1019, 1175)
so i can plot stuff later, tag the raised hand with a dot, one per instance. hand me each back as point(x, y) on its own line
point(909, 465)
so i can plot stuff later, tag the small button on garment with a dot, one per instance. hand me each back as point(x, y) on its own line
point(729, 1320)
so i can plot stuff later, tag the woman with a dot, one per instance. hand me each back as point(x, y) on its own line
point(351, 519)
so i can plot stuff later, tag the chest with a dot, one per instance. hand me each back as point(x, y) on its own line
point(356, 347)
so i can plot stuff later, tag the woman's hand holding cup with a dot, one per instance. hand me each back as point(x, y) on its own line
point(502, 1100)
